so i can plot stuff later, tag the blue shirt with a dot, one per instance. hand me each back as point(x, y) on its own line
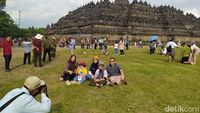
point(25, 103)
point(27, 47)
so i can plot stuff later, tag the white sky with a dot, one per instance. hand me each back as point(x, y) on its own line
point(39, 13)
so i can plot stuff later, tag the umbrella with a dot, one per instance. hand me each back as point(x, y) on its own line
point(153, 38)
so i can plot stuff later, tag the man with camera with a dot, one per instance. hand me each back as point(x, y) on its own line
point(22, 100)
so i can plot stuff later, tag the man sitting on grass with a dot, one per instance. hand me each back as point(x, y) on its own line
point(100, 77)
point(115, 73)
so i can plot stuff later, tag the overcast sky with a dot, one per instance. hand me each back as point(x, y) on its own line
point(39, 13)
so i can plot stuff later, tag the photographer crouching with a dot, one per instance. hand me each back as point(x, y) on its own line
point(22, 100)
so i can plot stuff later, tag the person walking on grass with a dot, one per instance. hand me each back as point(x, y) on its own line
point(127, 43)
point(27, 50)
point(170, 50)
point(115, 73)
point(22, 100)
point(104, 50)
point(72, 44)
point(47, 48)
point(37, 51)
point(194, 52)
point(121, 46)
point(70, 70)
point(100, 76)
point(116, 48)
point(7, 52)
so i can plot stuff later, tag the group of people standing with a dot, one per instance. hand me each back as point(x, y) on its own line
point(189, 51)
point(38, 45)
point(98, 74)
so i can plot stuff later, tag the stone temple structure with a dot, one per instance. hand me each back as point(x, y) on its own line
point(126, 19)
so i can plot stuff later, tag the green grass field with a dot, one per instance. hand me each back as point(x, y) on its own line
point(153, 83)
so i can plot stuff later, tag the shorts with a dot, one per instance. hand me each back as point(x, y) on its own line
point(115, 79)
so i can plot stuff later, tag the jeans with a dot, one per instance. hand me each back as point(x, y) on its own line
point(115, 51)
point(27, 55)
point(7, 61)
point(47, 51)
point(83, 78)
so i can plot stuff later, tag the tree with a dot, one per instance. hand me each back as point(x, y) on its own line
point(7, 26)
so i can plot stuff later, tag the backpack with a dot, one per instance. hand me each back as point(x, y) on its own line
point(169, 49)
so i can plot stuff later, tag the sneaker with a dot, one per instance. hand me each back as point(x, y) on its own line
point(61, 79)
point(67, 83)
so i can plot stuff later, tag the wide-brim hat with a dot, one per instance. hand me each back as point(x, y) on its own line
point(33, 82)
point(38, 36)
point(82, 63)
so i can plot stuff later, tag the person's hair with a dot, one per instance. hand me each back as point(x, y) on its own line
point(69, 61)
point(72, 65)
point(116, 41)
point(121, 38)
point(26, 39)
point(171, 39)
point(112, 58)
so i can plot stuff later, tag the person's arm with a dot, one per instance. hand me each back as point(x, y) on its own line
point(34, 106)
point(96, 73)
point(2, 52)
point(122, 74)
point(66, 67)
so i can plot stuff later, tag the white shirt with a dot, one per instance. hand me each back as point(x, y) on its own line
point(27, 47)
point(195, 48)
point(116, 46)
point(172, 44)
point(25, 103)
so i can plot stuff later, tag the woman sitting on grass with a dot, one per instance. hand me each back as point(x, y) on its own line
point(185, 53)
point(100, 77)
point(93, 67)
point(70, 70)
point(81, 74)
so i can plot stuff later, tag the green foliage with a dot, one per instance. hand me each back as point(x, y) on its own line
point(31, 31)
point(7, 26)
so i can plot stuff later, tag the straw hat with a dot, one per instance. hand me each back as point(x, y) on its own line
point(33, 82)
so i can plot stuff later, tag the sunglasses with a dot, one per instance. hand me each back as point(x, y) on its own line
point(112, 61)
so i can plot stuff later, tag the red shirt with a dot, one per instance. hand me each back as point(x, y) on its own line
point(37, 43)
point(7, 47)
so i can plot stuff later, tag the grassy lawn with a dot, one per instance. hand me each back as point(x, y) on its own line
point(153, 83)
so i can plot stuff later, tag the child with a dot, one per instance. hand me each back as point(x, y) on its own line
point(81, 74)
point(100, 77)
point(116, 47)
